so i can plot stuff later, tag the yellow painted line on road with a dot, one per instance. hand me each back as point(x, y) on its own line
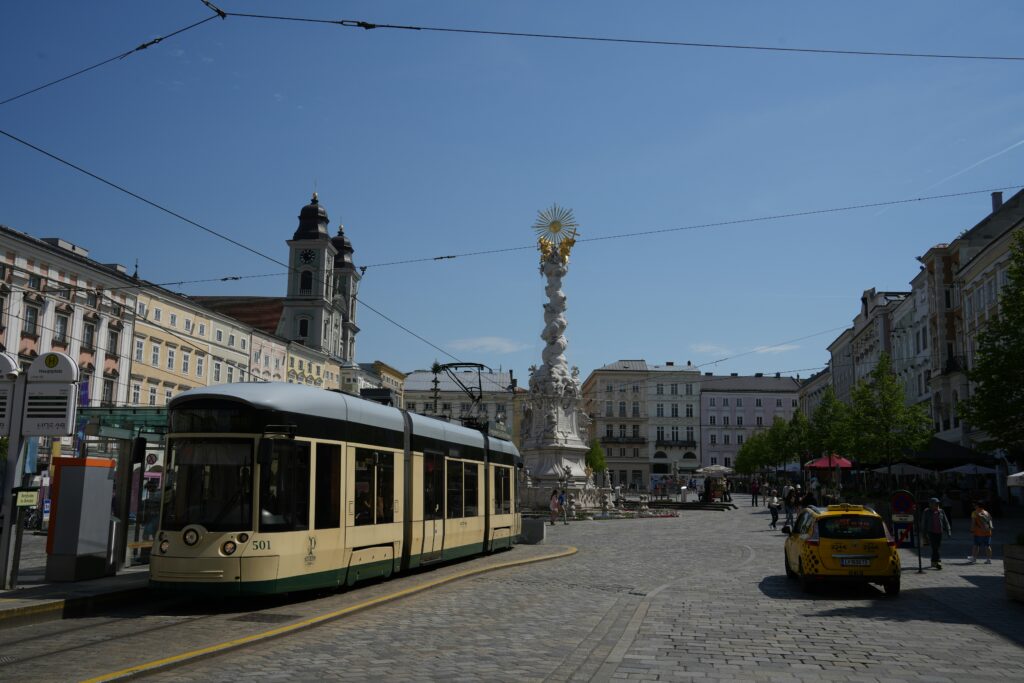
point(313, 621)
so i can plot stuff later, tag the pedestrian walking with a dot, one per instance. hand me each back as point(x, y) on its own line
point(935, 523)
point(790, 501)
point(981, 529)
point(553, 506)
point(755, 489)
point(727, 491)
point(773, 507)
point(563, 510)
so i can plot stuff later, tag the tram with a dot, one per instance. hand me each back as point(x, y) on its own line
point(274, 487)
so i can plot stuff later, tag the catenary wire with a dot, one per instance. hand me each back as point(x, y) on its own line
point(366, 25)
point(115, 58)
point(207, 230)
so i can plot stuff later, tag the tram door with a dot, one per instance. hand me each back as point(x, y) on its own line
point(433, 507)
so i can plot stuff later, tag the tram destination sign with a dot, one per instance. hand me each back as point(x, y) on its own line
point(51, 399)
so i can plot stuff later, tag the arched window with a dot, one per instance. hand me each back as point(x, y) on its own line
point(306, 283)
point(303, 327)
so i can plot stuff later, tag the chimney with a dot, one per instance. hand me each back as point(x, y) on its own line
point(777, 374)
point(997, 201)
point(758, 374)
point(734, 374)
point(708, 374)
point(669, 363)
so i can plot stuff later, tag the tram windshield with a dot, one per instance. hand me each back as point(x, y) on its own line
point(209, 483)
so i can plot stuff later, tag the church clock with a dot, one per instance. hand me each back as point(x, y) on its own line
point(307, 256)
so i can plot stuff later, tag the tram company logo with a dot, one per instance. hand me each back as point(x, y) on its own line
point(311, 555)
point(51, 360)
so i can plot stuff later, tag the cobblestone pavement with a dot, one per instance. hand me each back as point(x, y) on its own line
point(699, 597)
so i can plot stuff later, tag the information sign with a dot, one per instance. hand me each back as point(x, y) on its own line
point(27, 499)
point(903, 507)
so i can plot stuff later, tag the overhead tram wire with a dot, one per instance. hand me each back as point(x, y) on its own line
point(700, 226)
point(210, 231)
point(367, 25)
point(139, 48)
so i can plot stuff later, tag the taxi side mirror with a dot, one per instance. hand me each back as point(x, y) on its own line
point(787, 529)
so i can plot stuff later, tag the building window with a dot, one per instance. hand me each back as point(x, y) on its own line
point(152, 396)
point(219, 335)
point(622, 431)
point(689, 390)
point(243, 343)
point(608, 388)
point(725, 439)
point(739, 403)
point(609, 411)
point(216, 371)
point(622, 409)
point(636, 388)
point(675, 433)
point(305, 283)
point(157, 313)
point(136, 394)
point(659, 389)
point(711, 401)
point(675, 410)
point(622, 452)
point(728, 462)
point(725, 420)
point(794, 403)
point(186, 358)
point(113, 342)
point(739, 420)
point(757, 403)
point(661, 433)
point(202, 329)
point(689, 410)
point(673, 389)
point(142, 310)
point(660, 410)
point(725, 402)
point(60, 329)
point(91, 299)
point(303, 328)
point(188, 325)
point(154, 356)
point(168, 394)
point(140, 349)
point(89, 336)
point(199, 365)
point(231, 340)
point(714, 460)
point(636, 452)
point(778, 403)
point(714, 439)
point(760, 421)
point(711, 419)
point(636, 409)
point(170, 358)
point(231, 374)
point(31, 321)
point(34, 282)
point(636, 431)
point(689, 433)
point(174, 319)
point(739, 439)
point(609, 431)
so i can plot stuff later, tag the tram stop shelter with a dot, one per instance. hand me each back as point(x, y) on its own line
point(134, 439)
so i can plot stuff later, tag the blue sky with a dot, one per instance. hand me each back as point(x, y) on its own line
point(426, 144)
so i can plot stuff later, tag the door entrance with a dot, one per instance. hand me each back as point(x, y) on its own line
point(433, 507)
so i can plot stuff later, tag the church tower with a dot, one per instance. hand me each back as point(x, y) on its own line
point(319, 310)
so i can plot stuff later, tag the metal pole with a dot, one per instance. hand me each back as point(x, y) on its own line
point(920, 538)
point(15, 466)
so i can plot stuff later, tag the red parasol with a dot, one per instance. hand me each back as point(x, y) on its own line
point(828, 462)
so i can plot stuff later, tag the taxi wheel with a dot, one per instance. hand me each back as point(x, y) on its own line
point(806, 585)
point(892, 587)
point(789, 572)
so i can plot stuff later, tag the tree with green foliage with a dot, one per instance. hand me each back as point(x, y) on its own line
point(595, 457)
point(754, 454)
point(885, 427)
point(778, 442)
point(997, 404)
point(830, 430)
point(799, 436)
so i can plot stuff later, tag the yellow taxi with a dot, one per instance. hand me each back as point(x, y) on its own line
point(842, 543)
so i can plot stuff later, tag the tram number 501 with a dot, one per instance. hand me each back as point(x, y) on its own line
point(261, 545)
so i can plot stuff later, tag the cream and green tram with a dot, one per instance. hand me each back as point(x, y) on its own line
point(275, 487)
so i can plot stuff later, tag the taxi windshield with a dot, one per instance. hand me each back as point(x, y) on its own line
point(209, 483)
point(851, 527)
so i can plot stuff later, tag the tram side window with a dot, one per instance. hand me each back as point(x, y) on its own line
point(375, 487)
point(433, 486)
point(454, 489)
point(502, 490)
point(328, 486)
point(284, 487)
point(470, 479)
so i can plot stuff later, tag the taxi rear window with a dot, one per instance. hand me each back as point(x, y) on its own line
point(851, 527)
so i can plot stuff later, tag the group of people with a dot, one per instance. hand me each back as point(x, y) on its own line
point(793, 499)
point(561, 505)
point(935, 524)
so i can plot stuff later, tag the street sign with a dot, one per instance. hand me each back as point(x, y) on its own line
point(51, 399)
point(902, 518)
point(903, 507)
point(27, 499)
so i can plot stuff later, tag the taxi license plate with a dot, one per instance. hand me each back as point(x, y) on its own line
point(856, 563)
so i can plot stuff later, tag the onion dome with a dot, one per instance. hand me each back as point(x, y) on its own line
point(344, 246)
point(312, 221)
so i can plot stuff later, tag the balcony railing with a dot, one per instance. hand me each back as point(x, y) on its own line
point(623, 439)
point(954, 364)
point(675, 443)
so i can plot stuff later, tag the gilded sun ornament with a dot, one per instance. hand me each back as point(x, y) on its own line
point(555, 224)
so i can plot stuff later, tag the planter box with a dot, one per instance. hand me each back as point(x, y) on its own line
point(1013, 568)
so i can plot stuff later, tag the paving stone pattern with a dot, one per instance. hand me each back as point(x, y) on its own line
point(701, 597)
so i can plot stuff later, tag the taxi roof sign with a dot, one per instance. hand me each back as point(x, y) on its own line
point(53, 367)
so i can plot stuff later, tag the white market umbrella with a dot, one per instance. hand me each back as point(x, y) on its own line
point(969, 469)
point(1015, 479)
point(901, 469)
point(715, 471)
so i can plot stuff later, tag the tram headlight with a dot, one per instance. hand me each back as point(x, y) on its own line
point(191, 537)
point(242, 538)
point(229, 548)
point(164, 545)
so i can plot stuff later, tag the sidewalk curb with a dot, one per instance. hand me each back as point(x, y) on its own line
point(60, 608)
